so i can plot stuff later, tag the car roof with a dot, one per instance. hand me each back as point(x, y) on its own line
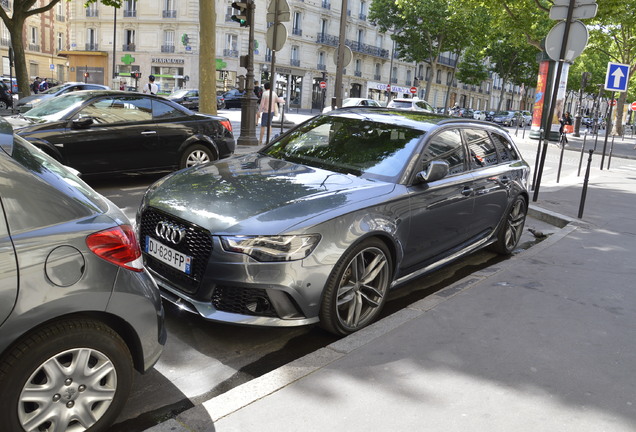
point(420, 120)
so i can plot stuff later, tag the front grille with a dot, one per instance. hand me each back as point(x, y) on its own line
point(244, 301)
point(197, 244)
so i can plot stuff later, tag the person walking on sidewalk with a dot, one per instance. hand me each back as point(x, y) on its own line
point(264, 111)
point(151, 87)
point(566, 128)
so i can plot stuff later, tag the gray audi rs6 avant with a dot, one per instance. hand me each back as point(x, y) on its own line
point(320, 224)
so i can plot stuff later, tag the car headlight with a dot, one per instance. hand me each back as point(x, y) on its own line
point(272, 248)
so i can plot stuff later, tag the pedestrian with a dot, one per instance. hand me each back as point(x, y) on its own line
point(35, 87)
point(151, 87)
point(44, 85)
point(566, 127)
point(258, 91)
point(264, 111)
point(122, 85)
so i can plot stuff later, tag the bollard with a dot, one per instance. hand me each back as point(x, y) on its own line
point(562, 145)
point(535, 196)
point(536, 160)
point(609, 159)
point(578, 174)
point(585, 182)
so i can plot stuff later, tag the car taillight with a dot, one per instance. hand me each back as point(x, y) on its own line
point(227, 125)
point(117, 245)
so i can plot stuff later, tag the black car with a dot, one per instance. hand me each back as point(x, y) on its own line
point(189, 98)
point(233, 98)
point(6, 100)
point(109, 131)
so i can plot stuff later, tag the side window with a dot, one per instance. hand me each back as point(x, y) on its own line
point(118, 110)
point(506, 150)
point(481, 148)
point(163, 111)
point(446, 146)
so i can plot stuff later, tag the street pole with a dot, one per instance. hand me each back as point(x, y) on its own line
point(391, 73)
point(341, 54)
point(114, 40)
point(555, 91)
point(248, 107)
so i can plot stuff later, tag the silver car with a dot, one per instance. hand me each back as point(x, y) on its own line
point(78, 312)
point(321, 224)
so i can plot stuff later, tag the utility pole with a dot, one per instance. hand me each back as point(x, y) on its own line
point(341, 54)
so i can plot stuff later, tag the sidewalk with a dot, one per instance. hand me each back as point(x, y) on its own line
point(541, 342)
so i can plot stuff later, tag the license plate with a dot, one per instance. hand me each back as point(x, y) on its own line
point(167, 255)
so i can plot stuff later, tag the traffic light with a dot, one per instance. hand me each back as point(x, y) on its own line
point(242, 13)
point(135, 75)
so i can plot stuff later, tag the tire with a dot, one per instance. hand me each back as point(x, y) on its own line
point(196, 154)
point(347, 304)
point(3, 105)
point(510, 232)
point(71, 375)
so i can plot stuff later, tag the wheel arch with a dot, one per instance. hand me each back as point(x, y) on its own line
point(123, 329)
point(199, 139)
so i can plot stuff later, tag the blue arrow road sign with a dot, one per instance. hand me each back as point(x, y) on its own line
point(617, 77)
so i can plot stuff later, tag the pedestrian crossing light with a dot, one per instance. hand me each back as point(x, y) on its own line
point(241, 16)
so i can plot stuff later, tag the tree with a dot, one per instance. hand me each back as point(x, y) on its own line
point(207, 55)
point(425, 29)
point(23, 9)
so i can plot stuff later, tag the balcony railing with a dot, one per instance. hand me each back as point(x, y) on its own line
point(327, 39)
point(91, 47)
point(167, 48)
point(321, 66)
point(34, 47)
point(92, 13)
point(128, 47)
point(130, 13)
point(377, 77)
point(297, 32)
point(60, 18)
point(294, 62)
point(366, 49)
point(170, 14)
point(357, 73)
point(326, 4)
point(230, 53)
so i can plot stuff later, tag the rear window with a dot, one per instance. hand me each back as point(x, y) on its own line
point(506, 150)
point(399, 104)
point(481, 148)
point(33, 184)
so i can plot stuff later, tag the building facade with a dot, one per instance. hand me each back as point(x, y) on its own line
point(104, 45)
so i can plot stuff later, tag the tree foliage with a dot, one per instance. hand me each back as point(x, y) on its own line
point(23, 9)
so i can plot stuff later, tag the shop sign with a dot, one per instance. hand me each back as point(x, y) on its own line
point(168, 60)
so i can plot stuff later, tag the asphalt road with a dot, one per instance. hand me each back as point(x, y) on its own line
point(203, 359)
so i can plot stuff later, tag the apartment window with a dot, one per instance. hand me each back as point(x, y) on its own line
point(378, 71)
point(363, 10)
point(449, 78)
point(169, 10)
point(358, 71)
point(295, 60)
point(91, 39)
point(130, 8)
point(268, 54)
point(34, 44)
point(394, 74)
point(231, 46)
point(321, 61)
point(91, 10)
point(129, 40)
point(168, 41)
point(438, 78)
point(59, 12)
point(379, 40)
point(60, 41)
point(323, 26)
point(409, 80)
point(296, 29)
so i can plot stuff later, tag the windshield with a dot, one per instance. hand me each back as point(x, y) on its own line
point(55, 108)
point(350, 144)
point(178, 93)
point(52, 90)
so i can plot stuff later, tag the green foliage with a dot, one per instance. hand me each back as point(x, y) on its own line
point(472, 69)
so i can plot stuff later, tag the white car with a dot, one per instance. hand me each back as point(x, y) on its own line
point(479, 115)
point(414, 104)
point(349, 102)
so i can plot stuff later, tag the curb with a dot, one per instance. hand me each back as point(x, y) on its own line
point(202, 417)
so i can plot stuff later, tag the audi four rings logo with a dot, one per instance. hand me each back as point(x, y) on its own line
point(170, 232)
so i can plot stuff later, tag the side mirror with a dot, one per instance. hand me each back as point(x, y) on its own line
point(437, 170)
point(82, 122)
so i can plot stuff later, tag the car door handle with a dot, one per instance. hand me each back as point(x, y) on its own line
point(149, 133)
point(467, 191)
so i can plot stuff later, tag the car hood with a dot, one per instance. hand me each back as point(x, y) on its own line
point(257, 194)
point(28, 99)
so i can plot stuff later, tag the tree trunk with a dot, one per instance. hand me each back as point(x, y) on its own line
point(207, 56)
point(19, 60)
